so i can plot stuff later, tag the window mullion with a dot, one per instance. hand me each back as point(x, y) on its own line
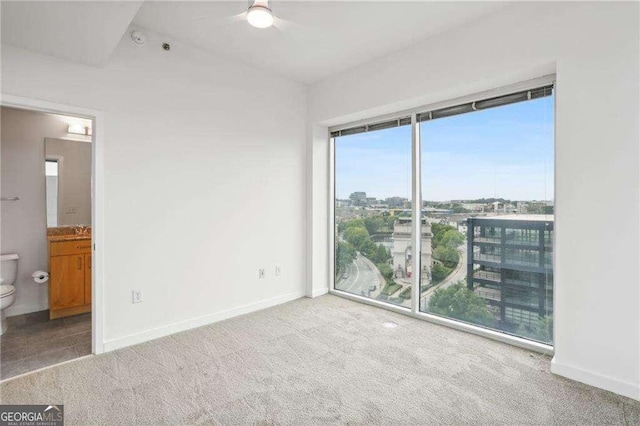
point(416, 206)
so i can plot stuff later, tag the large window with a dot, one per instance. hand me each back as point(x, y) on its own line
point(486, 217)
point(373, 252)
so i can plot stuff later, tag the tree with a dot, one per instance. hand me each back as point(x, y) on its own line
point(373, 224)
point(369, 248)
point(357, 236)
point(447, 255)
point(345, 254)
point(439, 273)
point(461, 303)
point(386, 271)
point(355, 223)
point(381, 255)
point(390, 220)
point(436, 228)
point(439, 232)
point(451, 238)
point(543, 331)
point(458, 208)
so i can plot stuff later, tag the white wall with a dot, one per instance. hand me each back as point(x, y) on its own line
point(594, 49)
point(317, 212)
point(203, 176)
point(23, 224)
point(74, 180)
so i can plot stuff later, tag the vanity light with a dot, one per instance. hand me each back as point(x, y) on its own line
point(79, 129)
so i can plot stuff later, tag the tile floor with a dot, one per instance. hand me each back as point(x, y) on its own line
point(33, 341)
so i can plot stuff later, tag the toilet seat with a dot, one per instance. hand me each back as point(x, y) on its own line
point(6, 290)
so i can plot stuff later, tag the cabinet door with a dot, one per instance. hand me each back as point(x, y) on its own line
point(87, 279)
point(67, 281)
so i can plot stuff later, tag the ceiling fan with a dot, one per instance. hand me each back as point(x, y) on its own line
point(259, 15)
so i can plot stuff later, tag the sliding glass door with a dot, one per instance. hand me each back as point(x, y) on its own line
point(486, 212)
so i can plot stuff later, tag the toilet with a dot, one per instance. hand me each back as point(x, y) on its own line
point(8, 274)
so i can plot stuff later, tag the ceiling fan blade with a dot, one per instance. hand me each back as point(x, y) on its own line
point(285, 25)
point(210, 20)
point(279, 30)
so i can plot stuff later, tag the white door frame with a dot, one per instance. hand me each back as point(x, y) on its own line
point(97, 205)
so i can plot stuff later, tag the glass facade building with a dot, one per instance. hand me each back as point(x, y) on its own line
point(510, 265)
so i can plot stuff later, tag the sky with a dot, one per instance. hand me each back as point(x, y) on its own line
point(504, 152)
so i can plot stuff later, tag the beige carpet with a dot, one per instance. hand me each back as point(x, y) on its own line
point(320, 361)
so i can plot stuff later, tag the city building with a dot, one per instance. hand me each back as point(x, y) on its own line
point(473, 207)
point(396, 202)
point(358, 198)
point(510, 264)
point(461, 225)
point(402, 251)
point(521, 207)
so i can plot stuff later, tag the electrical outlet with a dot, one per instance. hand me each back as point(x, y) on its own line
point(278, 270)
point(136, 296)
point(261, 273)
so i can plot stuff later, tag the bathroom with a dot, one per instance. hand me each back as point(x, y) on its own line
point(45, 240)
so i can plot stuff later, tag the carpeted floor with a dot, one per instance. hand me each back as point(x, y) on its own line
point(321, 361)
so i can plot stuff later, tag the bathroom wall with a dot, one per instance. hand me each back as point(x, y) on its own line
point(74, 180)
point(23, 223)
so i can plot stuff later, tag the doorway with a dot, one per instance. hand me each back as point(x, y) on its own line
point(50, 234)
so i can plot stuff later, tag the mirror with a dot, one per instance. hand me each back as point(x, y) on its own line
point(68, 182)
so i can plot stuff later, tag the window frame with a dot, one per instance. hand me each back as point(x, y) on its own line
point(414, 311)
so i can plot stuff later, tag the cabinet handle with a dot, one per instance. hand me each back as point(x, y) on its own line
point(79, 263)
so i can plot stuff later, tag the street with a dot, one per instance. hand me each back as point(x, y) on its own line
point(360, 276)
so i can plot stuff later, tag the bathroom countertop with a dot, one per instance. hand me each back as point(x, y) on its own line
point(69, 233)
point(70, 237)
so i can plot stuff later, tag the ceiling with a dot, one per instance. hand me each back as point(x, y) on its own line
point(315, 39)
point(311, 40)
point(85, 32)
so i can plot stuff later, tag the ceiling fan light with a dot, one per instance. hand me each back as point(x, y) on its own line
point(260, 16)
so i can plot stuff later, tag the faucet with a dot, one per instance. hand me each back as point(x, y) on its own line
point(81, 230)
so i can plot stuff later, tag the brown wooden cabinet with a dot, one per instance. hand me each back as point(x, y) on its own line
point(70, 278)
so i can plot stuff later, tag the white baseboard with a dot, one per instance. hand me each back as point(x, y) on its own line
point(14, 310)
point(620, 387)
point(155, 333)
point(319, 292)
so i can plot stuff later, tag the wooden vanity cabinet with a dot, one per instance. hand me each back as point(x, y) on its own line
point(69, 278)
